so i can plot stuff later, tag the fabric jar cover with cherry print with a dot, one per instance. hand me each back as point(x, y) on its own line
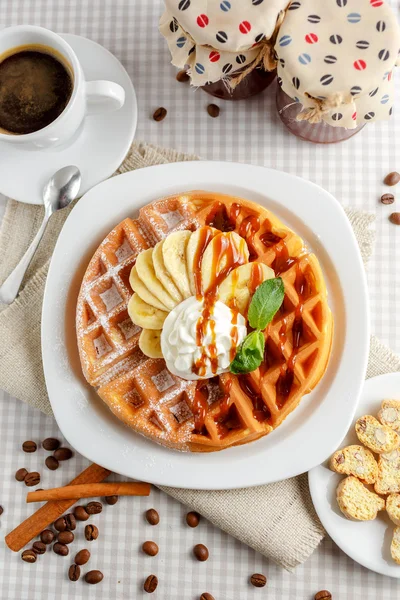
point(216, 38)
point(336, 57)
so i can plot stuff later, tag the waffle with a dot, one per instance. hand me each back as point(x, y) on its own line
point(237, 409)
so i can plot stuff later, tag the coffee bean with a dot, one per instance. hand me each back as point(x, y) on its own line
point(32, 479)
point(152, 516)
point(193, 519)
point(61, 549)
point(201, 552)
point(63, 454)
point(111, 500)
point(51, 444)
point(91, 532)
point(94, 508)
point(213, 110)
point(160, 114)
point(182, 76)
point(395, 218)
point(47, 536)
point(206, 596)
point(52, 463)
point(29, 556)
point(21, 474)
point(82, 557)
point(392, 178)
point(70, 521)
point(29, 446)
point(39, 547)
point(323, 595)
point(74, 572)
point(1, 510)
point(94, 577)
point(65, 537)
point(80, 513)
point(150, 548)
point(258, 580)
point(60, 524)
point(387, 199)
point(150, 584)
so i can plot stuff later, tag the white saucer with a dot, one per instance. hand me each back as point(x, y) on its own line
point(367, 543)
point(98, 150)
point(303, 440)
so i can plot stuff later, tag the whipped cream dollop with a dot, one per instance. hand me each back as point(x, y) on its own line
point(223, 333)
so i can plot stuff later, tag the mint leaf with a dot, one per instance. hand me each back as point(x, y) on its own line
point(266, 301)
point(250, 354)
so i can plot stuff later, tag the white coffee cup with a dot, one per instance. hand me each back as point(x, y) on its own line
point(87, 98)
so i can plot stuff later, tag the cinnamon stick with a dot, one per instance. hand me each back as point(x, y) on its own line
point(48, 513)
point(90, 490)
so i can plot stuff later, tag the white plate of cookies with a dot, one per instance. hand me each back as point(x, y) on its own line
point(356, 492)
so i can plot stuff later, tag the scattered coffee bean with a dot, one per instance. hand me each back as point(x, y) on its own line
point(29, 446)
point(21, 474)
point(80, 513)
point(74, 572)
point(392, 178)
point(29, 556)
point(70, 521)
point(94, 508)
point(387, 199)
point(63, 453)
point(65, 537)
point(47, 536)
point(152, 516)
point(395, 218)
point(193, 519)
point(51, 444)
point(39, 547)
point(60, 524)
point(258, 580)
point(182, 76)
point(1, 510)
point(201, 552)
point(61, 549)
point(94, 577)
point(323, 595)
point(150, 548)
point(206, 596)
point(91, 532)
point(213, 110)
point(150, 584)
point(52, 463)
point(111, 500)
point(160, 114)
point(82, 557)
point(32, 479)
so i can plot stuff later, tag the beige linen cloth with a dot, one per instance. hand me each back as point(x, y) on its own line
point(277, 520)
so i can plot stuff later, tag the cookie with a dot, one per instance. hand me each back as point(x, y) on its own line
point(355, 460)
point(377, 437)
point(356, 502)
point(395, 546)
point(388, 479)
point(390, 414)
point(393, 508)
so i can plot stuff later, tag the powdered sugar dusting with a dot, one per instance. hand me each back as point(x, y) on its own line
point(163, 380)
point(133, 397)
point(181, 411)
point(111, 297)
point(124, 251)
point(128, 328)
point(101, 345)
point(171, 218)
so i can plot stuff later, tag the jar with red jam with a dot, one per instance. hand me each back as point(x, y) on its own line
point(335, 67)
point(226, 46)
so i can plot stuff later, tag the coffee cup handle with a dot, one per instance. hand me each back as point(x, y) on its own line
point(103, 97)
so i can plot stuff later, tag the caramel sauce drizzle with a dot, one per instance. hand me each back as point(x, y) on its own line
point(260, 410)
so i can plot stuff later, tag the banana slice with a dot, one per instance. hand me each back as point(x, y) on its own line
point(224, 251)
point(174, 255)
point(198, 242)
point(139, 287)
point(163, 274)
point(150, 344)
point(238, 288)
point(144, 314)
point(146, 272)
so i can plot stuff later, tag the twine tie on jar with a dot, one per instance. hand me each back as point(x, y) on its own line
point(314, 114)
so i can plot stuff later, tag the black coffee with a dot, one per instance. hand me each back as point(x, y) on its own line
point(35, 87)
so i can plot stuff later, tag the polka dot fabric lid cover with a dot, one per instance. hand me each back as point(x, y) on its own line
point(340, 52)
point(215, 38)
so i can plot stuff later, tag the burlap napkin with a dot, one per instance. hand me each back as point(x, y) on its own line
point(277, 520)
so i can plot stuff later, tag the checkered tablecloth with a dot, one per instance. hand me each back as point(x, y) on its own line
point(246, 132)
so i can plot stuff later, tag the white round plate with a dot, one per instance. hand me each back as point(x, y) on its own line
point(99, 148)
point(367, 543)
point(300, 443)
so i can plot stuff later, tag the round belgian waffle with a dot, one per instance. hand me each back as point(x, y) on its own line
point(142, 392)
